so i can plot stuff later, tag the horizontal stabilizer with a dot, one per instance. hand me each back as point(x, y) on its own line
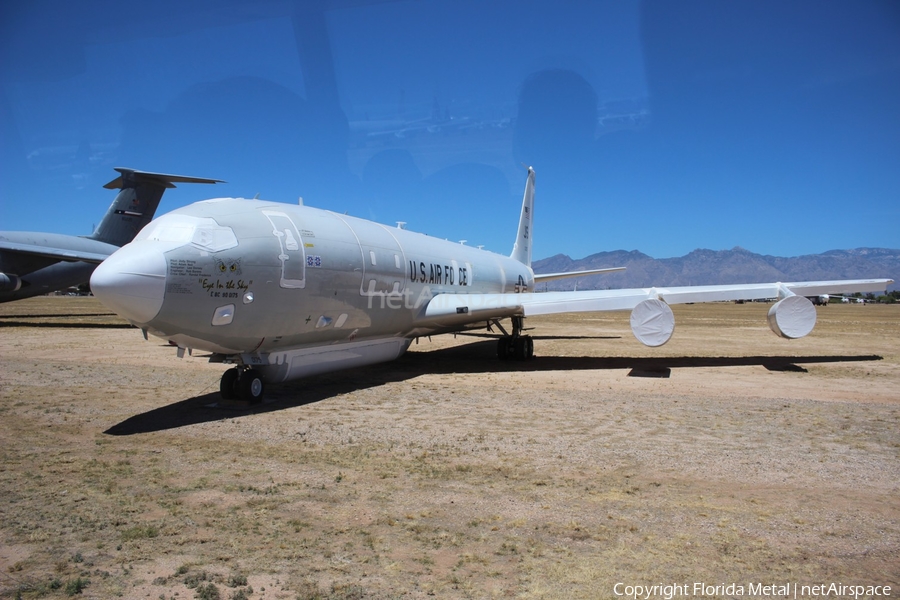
point(166, 181)
point(542, 277)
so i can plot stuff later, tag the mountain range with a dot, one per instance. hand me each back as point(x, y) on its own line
point(710, 267)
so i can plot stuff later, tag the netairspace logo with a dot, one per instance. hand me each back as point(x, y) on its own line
point(749, 590)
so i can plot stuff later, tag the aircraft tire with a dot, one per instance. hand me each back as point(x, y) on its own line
point(251, 386)
point(523, 348)
point(529, 347)
point(228, 386)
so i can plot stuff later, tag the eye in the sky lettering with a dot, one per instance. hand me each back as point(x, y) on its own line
point(438, 274)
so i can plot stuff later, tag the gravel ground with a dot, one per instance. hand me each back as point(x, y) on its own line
point(726, 456)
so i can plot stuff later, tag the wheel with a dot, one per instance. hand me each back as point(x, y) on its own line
point(503, 348)
point(228, 385)
point(523, 347)
point(251, 386)
point(529, 347)
point(519, 348)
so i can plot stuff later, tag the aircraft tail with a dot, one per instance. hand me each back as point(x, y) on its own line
point(522, 248)
point(136, 204)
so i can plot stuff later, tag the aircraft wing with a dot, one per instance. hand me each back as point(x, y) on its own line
point(447, 310)
point(547, 303)
point(64, 254)
point(605, 300)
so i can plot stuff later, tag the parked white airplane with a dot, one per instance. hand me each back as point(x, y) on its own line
point(286, 291)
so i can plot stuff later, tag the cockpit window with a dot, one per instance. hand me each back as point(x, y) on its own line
point(202, 233)
point(215, 238)
point(163, 232)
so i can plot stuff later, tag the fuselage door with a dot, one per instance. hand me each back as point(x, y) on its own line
point(293, 256)
point(384, 263)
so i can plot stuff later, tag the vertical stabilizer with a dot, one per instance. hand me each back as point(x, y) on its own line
point(136, 204)
point(522, 248)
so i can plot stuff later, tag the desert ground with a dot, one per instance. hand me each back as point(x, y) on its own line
point(728, 456)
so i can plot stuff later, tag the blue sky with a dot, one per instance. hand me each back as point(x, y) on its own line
point(657, 126)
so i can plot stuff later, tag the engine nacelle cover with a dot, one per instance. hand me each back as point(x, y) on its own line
point(793, 317)
point(652, 322)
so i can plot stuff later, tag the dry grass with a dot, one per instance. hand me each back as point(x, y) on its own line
point(447, 473)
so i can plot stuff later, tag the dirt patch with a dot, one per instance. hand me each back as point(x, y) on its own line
point(447, 472)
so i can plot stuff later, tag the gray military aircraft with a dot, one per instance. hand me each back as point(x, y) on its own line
point(284, 291)
point(33, 263)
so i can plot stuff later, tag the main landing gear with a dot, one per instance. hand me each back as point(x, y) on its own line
point(244, 384)
point(517, 346)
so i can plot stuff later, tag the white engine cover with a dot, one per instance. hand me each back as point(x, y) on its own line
point(793, 317)
point(652, 322)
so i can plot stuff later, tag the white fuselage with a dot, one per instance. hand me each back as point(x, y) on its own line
point(264, 281)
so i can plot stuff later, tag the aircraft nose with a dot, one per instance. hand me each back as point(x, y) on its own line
point(132, 282)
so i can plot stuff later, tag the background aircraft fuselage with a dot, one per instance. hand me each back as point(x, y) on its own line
point(46, 273)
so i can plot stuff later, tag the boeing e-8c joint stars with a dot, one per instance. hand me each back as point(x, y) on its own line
point(284, 291)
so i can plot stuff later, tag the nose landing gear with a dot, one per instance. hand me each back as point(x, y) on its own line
point(242, 383)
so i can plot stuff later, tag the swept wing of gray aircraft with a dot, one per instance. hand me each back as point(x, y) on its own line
point(284, 291)
point(33, 263)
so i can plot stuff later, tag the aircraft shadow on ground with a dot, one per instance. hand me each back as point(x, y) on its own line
point(549, 337)
point(58, 315)
point(66, 325)
point(16, 321)
point(478, 357)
